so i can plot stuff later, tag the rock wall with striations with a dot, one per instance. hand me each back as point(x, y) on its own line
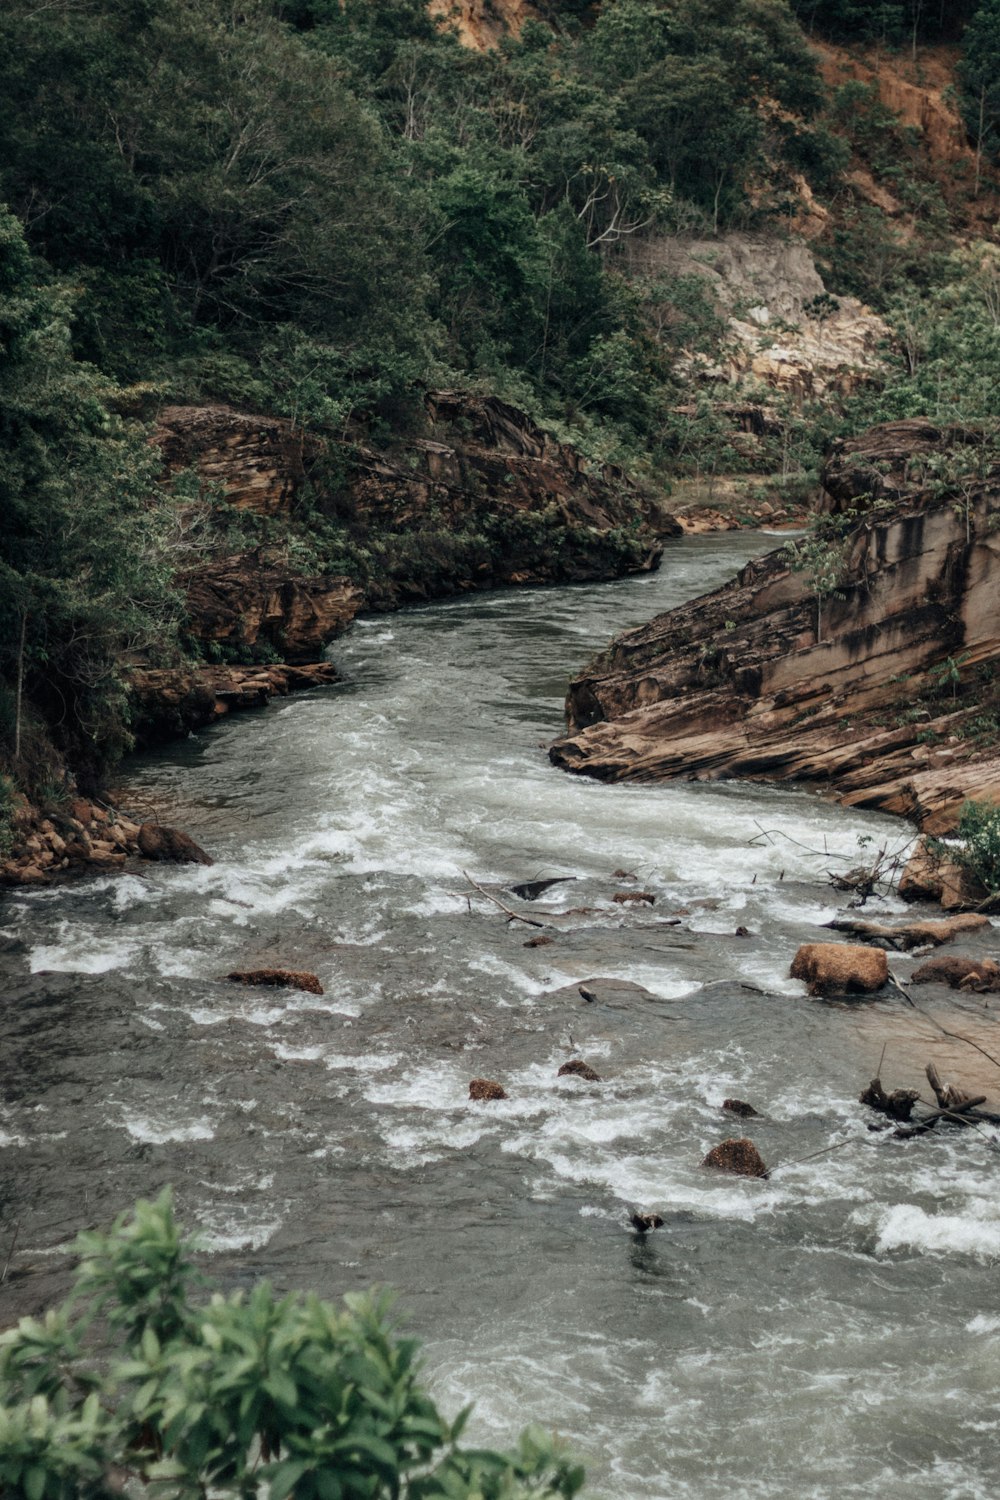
point(857, 692)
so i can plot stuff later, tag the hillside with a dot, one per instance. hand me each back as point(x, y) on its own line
point(684, 246)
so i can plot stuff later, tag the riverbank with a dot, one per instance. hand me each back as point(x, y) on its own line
point(861, 661)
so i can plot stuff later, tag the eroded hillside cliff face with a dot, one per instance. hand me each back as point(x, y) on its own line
point(784, 330)
point(881, 692)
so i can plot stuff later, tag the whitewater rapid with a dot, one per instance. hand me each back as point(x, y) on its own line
point(829, 1332)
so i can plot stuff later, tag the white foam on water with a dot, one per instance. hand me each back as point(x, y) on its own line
point(158, 1131)
point(80, 951)
point(218, 1233)
point(983, 1323)
point(361, 1062)
point(975, 1231)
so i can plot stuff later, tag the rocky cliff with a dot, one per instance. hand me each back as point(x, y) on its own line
point(881, 691)
point(784, 331)
point(479, 497)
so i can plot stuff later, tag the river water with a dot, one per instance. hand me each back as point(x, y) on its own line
point(831, 1332)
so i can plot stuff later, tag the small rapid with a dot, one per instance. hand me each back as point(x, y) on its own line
point(826, 1332)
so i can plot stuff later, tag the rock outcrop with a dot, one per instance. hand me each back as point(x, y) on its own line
point(737, 1156)
point(172, 701)
point(482, 497)
point(245, 602)
point(856, 690)
point(784, 329)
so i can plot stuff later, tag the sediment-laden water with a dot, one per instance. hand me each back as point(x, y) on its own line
point(832, 1332)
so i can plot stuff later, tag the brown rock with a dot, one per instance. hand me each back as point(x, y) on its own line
point(740, 1157)
point(981, 975)
point(628, 898)
point(739, 1107)
point(81, 810)
point(840, 968)
point(158, 842)
point(577, 1068)
point(932, 932)
point(485, 1088)
point(538, 942)
point(930, 875)
point(642, 1223)
point(291, 979)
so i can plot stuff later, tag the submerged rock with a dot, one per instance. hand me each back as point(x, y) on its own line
point(840, 968)
point(642, 1223)
point(292, 979)
point(739, 1156)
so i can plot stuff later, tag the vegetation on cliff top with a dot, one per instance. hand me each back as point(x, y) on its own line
point(317, 208)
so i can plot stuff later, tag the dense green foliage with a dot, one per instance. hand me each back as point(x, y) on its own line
point(83, 577)
point(319, 208)
point(313, 204)
point(242, 1395)
point(979, 77)
point(891, 21)
point(979, 833)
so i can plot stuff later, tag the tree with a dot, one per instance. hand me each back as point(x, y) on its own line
point(247, 1395)
point(979, 80)
point(82, 577)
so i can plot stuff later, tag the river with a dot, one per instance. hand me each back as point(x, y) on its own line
point(831, 1332)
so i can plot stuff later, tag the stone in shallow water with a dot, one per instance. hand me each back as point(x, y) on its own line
point(739, 1107)
point(840, 968)
point(577, 1068)
point(486, 1088)
point(292, 979)
point(158, 842)
point(981, 975)
point(740, 1157)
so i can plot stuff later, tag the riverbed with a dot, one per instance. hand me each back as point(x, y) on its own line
point(833, 1331)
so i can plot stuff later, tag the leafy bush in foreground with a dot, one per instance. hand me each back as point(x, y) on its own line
point(244, 1395)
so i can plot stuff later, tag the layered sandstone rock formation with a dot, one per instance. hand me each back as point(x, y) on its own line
point(877, 695)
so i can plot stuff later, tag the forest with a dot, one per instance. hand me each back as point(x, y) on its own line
point(321, 209)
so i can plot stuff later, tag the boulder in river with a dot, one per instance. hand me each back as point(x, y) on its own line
point(292, 979)
point(738, 1156)
point(840, 968)
point(486, 1089)
point(739, 1107)
point(577, 1068)
point(157, 841)
point(979, 974)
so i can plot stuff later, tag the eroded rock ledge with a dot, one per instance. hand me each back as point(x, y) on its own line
point(740, 683)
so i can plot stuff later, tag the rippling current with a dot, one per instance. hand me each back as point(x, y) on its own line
point(832, 1332)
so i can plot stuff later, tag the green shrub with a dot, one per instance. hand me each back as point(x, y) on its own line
point(247, 1395)
point(979, 830)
